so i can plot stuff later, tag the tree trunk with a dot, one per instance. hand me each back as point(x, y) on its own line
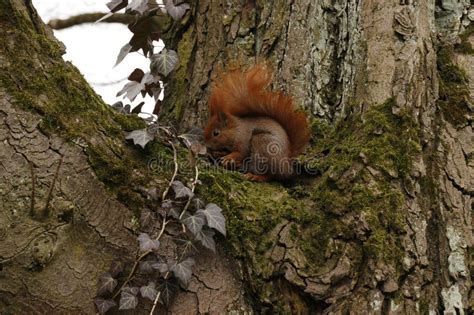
point(341, 60)
point(70, 187)
point(386, 228)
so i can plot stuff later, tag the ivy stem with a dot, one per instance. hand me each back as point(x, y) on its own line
point(165, 277)
point(155, 303)
point(175, 160)
point(193, 187)
point(135, 265)
point(163, 226)
point(130, 275)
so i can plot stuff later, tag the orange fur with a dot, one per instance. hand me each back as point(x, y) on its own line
point(245, 95)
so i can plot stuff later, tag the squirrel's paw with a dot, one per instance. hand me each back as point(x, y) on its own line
point(256, 178)
point(229, 161)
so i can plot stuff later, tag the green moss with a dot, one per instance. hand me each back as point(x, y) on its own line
point(117, 171)
point(249, 215)
point(363, 161)
point(453, 88)
point(248, 18)
point(228, 18)
point(129, 122)
point(61, 94)
point(379, 140)
point(245, 44)
point(180, 77)
point(67, 104)
point(106, 168)
point(11, 16)
point(387, 143)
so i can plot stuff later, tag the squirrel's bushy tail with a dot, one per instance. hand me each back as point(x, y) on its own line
point(245, 94)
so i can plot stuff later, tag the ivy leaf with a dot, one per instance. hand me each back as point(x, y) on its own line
point(175, 213)
point(118, 106)
point(198, 203)
point(107, 283)
point(128, 301)
point(131, 90)
point(146, 217)
point(141, 42)
point(176, 11)
point(146, 83)
point(167, 204)
point(136, 75)
point(152, 89)
point(164, 62)
point(162, 212)
point(149, 291)
point(103, 305)
point(161, 267)
point(192, 140)
point(194, 222)
point(145, 266)
point(214, 217)
point(139, 6)
point(124, 51)
point(116, 268)
point(145, 30)
point(206, 237)
point(180, 190)
point(152, 85)
point(114, 6)
point(183, 271)
point(138, 108)
point(153, 193)
point(148, 78)
point(165, 207)
point(185, 244)
point(168, 289)
point(146, 243)
point(157, 108)
point(131, 290)
point(140, 137)
point(117, 5)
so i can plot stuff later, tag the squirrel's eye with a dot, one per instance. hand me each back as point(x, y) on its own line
point(215, 133)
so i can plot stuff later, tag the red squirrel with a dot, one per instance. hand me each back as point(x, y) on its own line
point(253, 128)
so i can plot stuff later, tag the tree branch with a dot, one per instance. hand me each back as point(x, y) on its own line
point(59, 24)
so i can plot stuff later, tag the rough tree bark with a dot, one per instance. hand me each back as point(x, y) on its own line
point(387, 228)
point(341, 59)
point(70, 187)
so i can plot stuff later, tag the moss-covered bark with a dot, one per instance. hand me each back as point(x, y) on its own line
point(309, 227)
point(454, 98)
point(374, 225)
point(67, 103)
point(383, 229)
point(71, 187)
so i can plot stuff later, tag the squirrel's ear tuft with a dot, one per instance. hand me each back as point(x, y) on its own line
point(222, 118)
